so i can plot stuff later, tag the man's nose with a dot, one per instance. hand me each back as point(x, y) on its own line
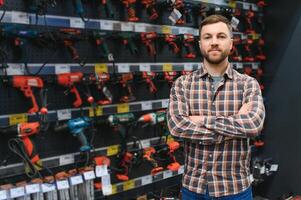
point(214, 41)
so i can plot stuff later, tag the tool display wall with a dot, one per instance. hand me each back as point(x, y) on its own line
point(101, 66)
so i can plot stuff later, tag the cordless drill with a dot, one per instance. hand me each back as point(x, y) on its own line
point(125, 80)
point(148, 77)
point(69, 80)
point(148, 39)
point(172, 41)
point(130, 6)
point(24, 131)
point(77, 127)
point(149, 156)
point(167, 152)
point(101, 79)
point(25, 84)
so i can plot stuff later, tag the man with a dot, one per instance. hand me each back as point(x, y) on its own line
point(215, 110)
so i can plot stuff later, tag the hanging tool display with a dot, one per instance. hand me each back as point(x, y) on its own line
point(173, 43)
point(131, 11)
point(24, 146)
point(166, 152)
point(149, 77)
point(125, 81)
point(77, 128)
point(148, 39)
point(260, 56)
point(150, 6)
point(101, 80)
point(148, 155)
point(127, 40)
point(79, 8)
point(100, 40)
point(108, 8)
point(188, 41)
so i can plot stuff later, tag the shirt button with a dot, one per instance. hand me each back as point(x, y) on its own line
point(213, 103)
point(210, 155)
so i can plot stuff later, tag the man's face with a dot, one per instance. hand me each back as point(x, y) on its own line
point(215, 42)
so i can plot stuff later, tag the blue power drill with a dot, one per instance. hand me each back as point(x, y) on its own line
point(77, 127)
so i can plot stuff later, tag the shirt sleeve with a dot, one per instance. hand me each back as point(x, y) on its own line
point(178, 120)
point(241, 125)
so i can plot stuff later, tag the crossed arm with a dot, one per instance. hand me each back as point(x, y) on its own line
point(248, 122)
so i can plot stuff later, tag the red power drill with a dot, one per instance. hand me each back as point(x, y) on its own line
point(260, 56)
point(25, 84)
point(249, 19)
point(1, 2)
point(150, 8)
point(69, 80)
point(124, 80)
point(148, 77)
point(249, 56)
point(172, 42)
point(129, 4)
point(170, 77)
point(101, 79)
point(148, 39)
point(24, 131)
point(189, 42)
point(167, 151)
point(149, 156)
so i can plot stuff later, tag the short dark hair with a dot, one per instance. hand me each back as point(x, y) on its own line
point(212, 19)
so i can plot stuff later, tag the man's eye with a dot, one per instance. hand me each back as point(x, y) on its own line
point(222, 36)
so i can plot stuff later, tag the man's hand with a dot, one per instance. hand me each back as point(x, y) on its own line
point(197, 119)
point(245, 109)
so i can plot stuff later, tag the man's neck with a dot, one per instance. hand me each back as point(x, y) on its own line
point(218, 69)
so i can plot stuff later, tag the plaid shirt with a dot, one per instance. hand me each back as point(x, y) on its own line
point(217, 152)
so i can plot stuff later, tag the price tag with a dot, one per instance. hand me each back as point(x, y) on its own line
point(146, 180)
point(101, 170)
point(112, 150)
point(64, 114)
point(106, 190)
point(145, 143)
point(77, 23)
point(90, 175)
point(32, 188)
point(128, 185)
point(123, 108)
point(255, 36)
point(147, 105)
point(15, 69)
point(59, 69)
point(100, 68)
point(239, 65)
point(140, 27)
point(170, 138)
point(3, 194)
point(62, 185)
point(251, 178)
point(232, 3)
point(106, 25)
point(66, 159)
point(166, 29)
point(17, 192)
point(106, 180)
point(246, 6)
point(125, 26)
point(262, 170)
point(123, 68)
point(188, 66)
point(181, 169)
point(20, 17)
point(75, 180)
point(17, 119)
point(274, 168)
point(98, 111)
point(47, 187)
point(167, 67)
point(167, 174)
point(234, 22)
point(254, 7)
point(144, 68)
point(183, 30)
point(254, 66)
point(165, 103)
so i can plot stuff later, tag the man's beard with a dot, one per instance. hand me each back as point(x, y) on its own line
point(216, 61)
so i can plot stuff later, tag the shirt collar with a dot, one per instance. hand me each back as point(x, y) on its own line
point(229, 71)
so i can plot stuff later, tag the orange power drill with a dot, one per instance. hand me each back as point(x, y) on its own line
point(69, 80)
point(25, 84)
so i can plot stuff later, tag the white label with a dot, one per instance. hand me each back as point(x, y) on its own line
point(188, 66)
point(196, 32)
point(63, 114)
point(15, 69)
point(167, 174)
point(234, 22)
point(106, 189)
point(255, 66)
point(145, 143)
point(3, 194)
point(146, 105)
point(262, 170)
point(123, 68)
point(106, 25)
point(20, 17)
point(165, 103)
point(48, 187)
point(127, 26)
point(66, 159)
point(246, 6)
point(140, 27)
point(274, 168)
point(32, 188)
point(181, 170)
point(251, 178)
point(77, 23)
point(17, 192)
point(59, 69)
point(106, 180)
point(144, 68)
point(239, 65)
point(183, 30)
point(75, 180)
point(61, 185)
point(101, 170)
point(254, 7)
point(89, 175)
point(146, 180)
